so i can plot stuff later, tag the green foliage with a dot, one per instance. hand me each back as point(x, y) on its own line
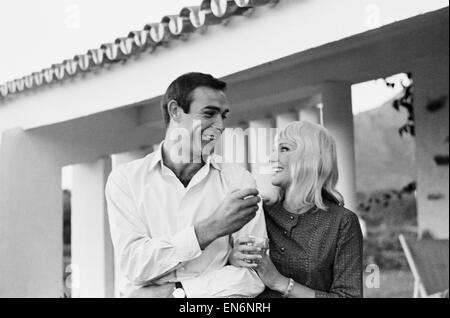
point(406, 101)
point(387, 215)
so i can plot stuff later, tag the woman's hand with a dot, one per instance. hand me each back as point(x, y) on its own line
point(270, 276)
point(244, 254)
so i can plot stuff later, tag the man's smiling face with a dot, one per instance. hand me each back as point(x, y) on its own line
point(208, 110)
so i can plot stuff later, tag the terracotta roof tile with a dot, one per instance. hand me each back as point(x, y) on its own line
point(171, 27)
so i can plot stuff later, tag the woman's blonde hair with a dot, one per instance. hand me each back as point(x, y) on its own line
point(313, 167)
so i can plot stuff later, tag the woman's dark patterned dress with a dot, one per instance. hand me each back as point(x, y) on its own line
point(318, 249)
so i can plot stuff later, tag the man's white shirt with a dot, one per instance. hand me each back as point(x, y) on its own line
point(152, 217)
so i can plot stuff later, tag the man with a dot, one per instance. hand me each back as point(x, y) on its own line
point(175, 213)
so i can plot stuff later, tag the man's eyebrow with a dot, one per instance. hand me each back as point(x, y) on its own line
point(215, 108)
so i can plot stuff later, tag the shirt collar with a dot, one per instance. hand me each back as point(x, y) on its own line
point(213, 159)
point(156, 157)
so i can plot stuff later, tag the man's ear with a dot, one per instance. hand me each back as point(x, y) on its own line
point(174, 110)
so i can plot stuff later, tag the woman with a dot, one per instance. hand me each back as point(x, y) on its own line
point(315, 243)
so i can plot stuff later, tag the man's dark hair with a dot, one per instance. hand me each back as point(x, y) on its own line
point(181, 90)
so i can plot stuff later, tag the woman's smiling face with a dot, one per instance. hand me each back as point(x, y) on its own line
point(280, 159)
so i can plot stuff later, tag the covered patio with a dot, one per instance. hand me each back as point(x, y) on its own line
point(313, 84)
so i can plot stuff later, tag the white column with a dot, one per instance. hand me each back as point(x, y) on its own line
point(121, 158)
point(311, 114)
point(233, 146)
point(31, 217)
point(261, 135)
point(92, 251)
point(338, 119)
point(283, 120)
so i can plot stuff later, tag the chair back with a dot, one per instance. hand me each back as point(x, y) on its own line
point(430, 258)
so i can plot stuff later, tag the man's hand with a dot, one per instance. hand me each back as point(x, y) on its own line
point(236, 210)
point(162, 291)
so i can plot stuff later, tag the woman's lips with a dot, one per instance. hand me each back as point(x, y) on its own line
point(276, 169)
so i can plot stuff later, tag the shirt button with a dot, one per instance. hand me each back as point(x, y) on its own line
point(292, 218)
point(285, 232)
point(283, 249)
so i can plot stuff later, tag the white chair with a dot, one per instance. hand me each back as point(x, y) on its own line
point(429, 263)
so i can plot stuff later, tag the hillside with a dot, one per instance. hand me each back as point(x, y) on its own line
point(384, 159)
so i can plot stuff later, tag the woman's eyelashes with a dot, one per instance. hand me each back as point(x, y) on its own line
point(284, 148)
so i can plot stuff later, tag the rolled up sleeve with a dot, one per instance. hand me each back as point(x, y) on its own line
point(228, 281)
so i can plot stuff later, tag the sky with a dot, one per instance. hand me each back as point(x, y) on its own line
point(372, 94)
point(37, 46)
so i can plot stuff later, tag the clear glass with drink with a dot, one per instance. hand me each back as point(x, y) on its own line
point(260, 243)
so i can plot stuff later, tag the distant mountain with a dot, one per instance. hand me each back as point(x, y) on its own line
point(384, 159)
